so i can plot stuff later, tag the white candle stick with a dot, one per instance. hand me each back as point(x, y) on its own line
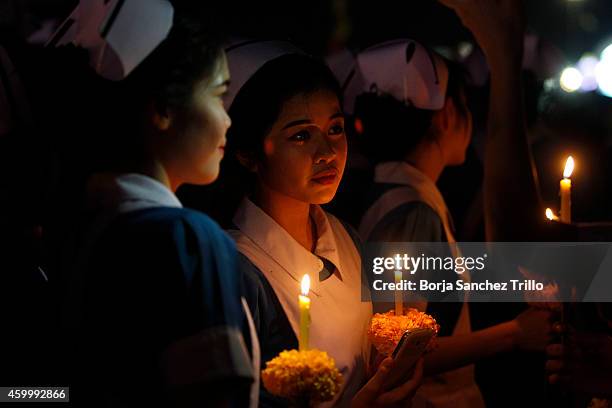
point(304, 303)
point(566, 191)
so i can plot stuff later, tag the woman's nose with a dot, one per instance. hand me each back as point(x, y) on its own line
point(227, 120)
point(325, 150)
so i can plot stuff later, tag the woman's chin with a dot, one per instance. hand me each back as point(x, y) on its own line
point(323, 197)
point(207, 177)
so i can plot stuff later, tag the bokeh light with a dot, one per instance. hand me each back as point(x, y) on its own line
point(571, 79)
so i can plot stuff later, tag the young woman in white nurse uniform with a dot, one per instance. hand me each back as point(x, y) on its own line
point(290, 148)
point(415, 115)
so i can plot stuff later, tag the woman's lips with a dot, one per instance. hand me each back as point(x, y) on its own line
point(325, 177)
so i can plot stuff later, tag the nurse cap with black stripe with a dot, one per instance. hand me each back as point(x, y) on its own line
point(403, 69)
point(246, 57)
point(118, 34)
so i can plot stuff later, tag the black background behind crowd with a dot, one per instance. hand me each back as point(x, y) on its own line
point(30, 158)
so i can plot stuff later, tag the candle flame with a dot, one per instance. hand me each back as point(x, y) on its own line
point(305, 285)
point(569, 167)
point(549, 214)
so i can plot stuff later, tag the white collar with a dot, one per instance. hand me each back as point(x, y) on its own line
point(399, 172)
point(267, 234)
point(129, 192)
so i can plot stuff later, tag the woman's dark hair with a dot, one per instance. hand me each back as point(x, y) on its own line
point(254, 111)
point(389, 129)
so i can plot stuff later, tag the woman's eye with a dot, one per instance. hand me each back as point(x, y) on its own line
point(336, 130)
point(301, 136)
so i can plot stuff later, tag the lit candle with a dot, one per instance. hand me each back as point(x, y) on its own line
point(551, 215)
point(566, 191)
point(304, 302)
point(398, 294)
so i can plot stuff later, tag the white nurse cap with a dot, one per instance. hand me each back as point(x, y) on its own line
point(119, 34)
point(404, 69)
point(246, 57)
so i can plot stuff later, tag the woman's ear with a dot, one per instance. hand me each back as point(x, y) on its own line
point(442, 119)
point(247, 161)
point(161, 116)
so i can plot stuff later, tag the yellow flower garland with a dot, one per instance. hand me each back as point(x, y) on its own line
point(306, 374)
point(386, 329)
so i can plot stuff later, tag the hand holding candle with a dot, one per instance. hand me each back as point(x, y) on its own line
point(304, 303)
point(306, 377)
point(566, 191)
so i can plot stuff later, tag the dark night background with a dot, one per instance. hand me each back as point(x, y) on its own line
point(579, 124)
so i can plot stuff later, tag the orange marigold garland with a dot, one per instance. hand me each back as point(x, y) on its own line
point(386, 329)
point(307, 375)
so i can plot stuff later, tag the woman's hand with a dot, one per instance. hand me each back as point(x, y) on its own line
point(533, 329)
point(373, 394)
point(497, 25)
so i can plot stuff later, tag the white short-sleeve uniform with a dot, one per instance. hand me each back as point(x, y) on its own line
point(457, 388)
point(339, 319)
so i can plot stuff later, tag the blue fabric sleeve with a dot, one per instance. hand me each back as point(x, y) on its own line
point(273, 327)
point(162, 305)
